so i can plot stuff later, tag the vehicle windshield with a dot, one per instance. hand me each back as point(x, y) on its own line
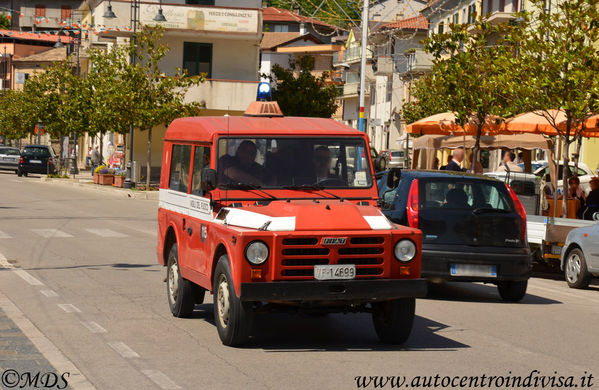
point(9, 151)
point(36, 151)
point(465, 195)
point(290, 162)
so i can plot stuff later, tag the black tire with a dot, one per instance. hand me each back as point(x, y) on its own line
point(393, 320)
point(181, 292)
point(232, 317)
point(575, 270)
point(19, 173)
point(512, 291)
point(26, 174)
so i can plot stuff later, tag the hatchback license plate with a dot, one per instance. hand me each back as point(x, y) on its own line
point(334, 272)
point(480, 270)
point(35, 161)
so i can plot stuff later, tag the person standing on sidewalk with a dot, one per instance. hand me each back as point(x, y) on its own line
point(96, 159)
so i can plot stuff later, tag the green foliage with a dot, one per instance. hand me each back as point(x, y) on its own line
point(17, 116)
point(425, 100)
point(304, 94)
point(339, 12)
point(4, 22)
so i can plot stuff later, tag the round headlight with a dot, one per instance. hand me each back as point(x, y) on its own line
point(256, 252)
point(405, 250)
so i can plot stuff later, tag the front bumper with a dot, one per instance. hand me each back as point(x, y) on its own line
point(512, 264)
point(334, 290)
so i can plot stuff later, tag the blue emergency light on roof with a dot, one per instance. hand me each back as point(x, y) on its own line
point(264, 92)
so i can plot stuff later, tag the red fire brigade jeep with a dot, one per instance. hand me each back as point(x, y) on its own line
point(279, 212)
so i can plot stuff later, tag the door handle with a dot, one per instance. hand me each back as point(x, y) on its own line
point(189, 231)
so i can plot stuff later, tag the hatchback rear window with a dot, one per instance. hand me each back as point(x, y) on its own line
point(40, 152)
point(396, 154)
point(10, 152)
point(467, 195)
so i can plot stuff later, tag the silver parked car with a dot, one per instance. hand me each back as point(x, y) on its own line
point(580, 255)
point(9, 158)
point(396, 159)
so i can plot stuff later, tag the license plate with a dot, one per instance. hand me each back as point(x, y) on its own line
point(480, 270)
point(35, 161)
point(334, 272)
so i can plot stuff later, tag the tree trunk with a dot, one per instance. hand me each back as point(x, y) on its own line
point(566, 168)
point(101, 147)
point(476, 149)
point(149, 162)
point(577, 155)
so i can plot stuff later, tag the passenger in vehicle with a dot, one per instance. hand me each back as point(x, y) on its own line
point(322, 160)
point(456, 198)
point(242, 168)
point(592, 203)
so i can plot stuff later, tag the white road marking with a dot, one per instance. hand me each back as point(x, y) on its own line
point(160, 379)
point(49, 293)
point(69, 308)
point(123, 349)
point(559, 294)
point(51, 233)
point(57, 359)
point(23, 274)
point(93, 327)
point(4, 235)
point(28, 278)
point(106, 233)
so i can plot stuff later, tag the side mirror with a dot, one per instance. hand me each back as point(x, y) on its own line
point(393, 177)
point(209, 179)
point(596, 216)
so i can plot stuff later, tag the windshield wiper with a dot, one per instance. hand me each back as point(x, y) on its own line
point(489, 210)
point(311, 187)
point(246, 186)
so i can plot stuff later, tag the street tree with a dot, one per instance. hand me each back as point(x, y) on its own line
point(158, 98)
point(471, 73)
point(4, 21)
point(557, 67)
point(424, 99)
point(301, 93)
point(16, 119)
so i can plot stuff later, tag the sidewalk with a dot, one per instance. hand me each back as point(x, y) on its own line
point(84, 180)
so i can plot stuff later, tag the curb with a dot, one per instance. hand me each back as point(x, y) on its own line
point(88, 184)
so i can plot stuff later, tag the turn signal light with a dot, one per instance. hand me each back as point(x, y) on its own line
point(256, 273)
point(404, 271)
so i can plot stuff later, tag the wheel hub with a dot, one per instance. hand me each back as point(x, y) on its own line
point(573, 268)
point(223, 301)
point(173, 281)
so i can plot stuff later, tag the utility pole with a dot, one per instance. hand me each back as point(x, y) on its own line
point(134, 19)
point(364, 48)
point(74, 168)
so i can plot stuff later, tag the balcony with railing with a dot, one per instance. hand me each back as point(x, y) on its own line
point(415, 61)
point(352, 54)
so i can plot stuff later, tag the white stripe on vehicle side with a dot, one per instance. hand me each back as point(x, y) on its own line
point(377, 222)
point(186, 204)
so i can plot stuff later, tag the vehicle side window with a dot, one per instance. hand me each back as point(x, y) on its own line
point(201, 160)
point(179, 174)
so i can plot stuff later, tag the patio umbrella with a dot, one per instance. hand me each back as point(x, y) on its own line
point(445, 124)
point(535, 122)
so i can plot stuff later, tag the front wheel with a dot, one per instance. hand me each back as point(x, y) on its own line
point(575, 270)
point(182, 294)
point(233, 318)
point(511, 291)
point(393, 319)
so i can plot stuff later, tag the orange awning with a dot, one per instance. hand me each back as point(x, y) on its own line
point(540, 122)
point(445, 124)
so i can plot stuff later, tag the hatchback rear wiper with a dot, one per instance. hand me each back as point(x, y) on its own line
point(489, 210)
point(310, 187)
point(246, 186)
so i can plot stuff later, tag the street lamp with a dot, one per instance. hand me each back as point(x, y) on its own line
point(134, 21)
point(58, 43)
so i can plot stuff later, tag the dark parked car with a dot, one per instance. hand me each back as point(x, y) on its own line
point(9, 158)
point(473, 227)
point(37, 159)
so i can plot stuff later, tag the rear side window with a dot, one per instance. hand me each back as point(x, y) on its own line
point(36, 151)
point(201, 160)
point(179, 173)
point(9, 151)
point(465, 195)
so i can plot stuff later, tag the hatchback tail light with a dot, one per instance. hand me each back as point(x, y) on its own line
point(519, 209)
point(21, 160)
point(413, 207)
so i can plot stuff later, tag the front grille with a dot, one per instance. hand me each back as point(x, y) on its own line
point(299, 255)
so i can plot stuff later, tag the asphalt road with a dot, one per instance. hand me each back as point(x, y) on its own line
point(85, 289)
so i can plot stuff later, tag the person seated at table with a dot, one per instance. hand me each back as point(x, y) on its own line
point(592, 200)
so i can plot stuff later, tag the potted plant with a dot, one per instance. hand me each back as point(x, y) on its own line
point(106, 176)
point(97, 173)
point(119, 178)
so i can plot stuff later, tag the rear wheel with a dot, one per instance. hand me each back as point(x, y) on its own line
point(575, 270)
point(511, 291)
point(19, 173)
point(393, 319)
point(233, 317)
point(182, 294)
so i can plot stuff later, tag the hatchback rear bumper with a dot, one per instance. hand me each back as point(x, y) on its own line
point(511, 264)
point(9, 166)
point(41, 168)
point(334, 290)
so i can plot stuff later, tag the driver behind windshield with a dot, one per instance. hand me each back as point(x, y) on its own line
point(241, 168)
point(322, 160)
